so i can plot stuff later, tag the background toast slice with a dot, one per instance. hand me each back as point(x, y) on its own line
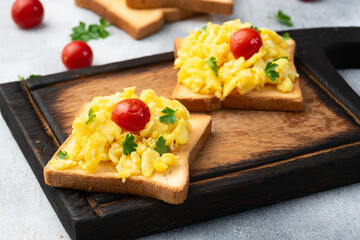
point(138, 23)
point(170, 186)
point(267, 98)
point(206, 6)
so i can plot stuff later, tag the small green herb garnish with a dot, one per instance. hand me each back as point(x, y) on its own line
point(258, 30)
point(21, 78)
point(169, 116)
point(91, 116)
point(270, 70)
point(283, 18)
point(129, 145)
point(161, 148)
point(62, 155)
point(211, 62)
point(286, 36)
point(204, 28)
point(94, 31)
point(281, 58)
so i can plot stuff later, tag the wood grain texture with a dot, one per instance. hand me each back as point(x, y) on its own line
point(205, 6)
point(248, 138)
point(138, 23)
point(279, 155)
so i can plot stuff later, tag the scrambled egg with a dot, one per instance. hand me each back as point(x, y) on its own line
point(243, 75)
point(101, 139)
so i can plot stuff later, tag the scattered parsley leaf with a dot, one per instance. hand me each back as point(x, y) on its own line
point(283, 18)
point(286, 36)
point(21, 78)
point(258, 30)
point(211, 62)
point(129, 145)
point(94, 31)
point(270, 70)
point(62, 155)
point(204, 28)
point(169, 116)
point(91, 116)
point(281, 58)
point(161, 148)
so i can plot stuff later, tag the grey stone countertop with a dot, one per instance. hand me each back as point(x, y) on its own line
point(25, 213)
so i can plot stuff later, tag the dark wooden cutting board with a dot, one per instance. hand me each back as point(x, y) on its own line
point(251, 159)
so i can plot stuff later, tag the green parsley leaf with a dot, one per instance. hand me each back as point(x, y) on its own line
point(94, 31)
point(169, 116)
point(211, 62)
point(204, 28)
point(161, 148)
point(129, 145)
point(21, 78)
point(91, 116)
point(283, 18)
point(281, 58)
point(286, 36)
point(270, 70)
point(258, 30)
point(62, 155)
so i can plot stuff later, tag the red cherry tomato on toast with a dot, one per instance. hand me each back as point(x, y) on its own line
point(131, 114)
point(77, 54)
point(27, 13)
point(245, 42)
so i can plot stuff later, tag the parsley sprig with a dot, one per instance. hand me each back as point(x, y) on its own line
point(211, 62)
point(169, 115)
point(270, 70)
point(286, 36)
point(129, 145)
point(257, 29)
point(62, 155)
point(161, 146)
point(204, 28)
point(91, 116)
point(21, 78)
point(283, 18)
point(94, 31)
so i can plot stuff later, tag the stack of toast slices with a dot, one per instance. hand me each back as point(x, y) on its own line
point(138, 23)
point(141, 18)
point(267, 98)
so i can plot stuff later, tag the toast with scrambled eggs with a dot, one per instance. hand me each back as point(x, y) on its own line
point(282, 96)
point(114, 172)
point(138, 23)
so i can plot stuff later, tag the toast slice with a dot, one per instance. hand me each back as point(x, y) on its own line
point(170, 186)
point(205, 6)
point(267, 98)
point(137, 23)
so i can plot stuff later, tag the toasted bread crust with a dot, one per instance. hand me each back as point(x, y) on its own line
point(171, 186)
point(206, 6)
point(267, 98)
point(137, 23)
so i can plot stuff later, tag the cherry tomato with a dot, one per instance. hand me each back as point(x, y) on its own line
point(131, 114)
point(77, 54)
point(245, 42)
point(27, 13)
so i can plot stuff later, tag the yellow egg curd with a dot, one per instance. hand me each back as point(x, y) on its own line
point(100, 139)
point(243, 75)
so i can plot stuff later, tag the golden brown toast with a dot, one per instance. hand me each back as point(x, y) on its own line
point(137, 23)
point(170, 186)
point(267, 98)
point(206, 6)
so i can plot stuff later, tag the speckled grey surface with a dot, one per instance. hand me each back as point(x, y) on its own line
point(25, 213)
